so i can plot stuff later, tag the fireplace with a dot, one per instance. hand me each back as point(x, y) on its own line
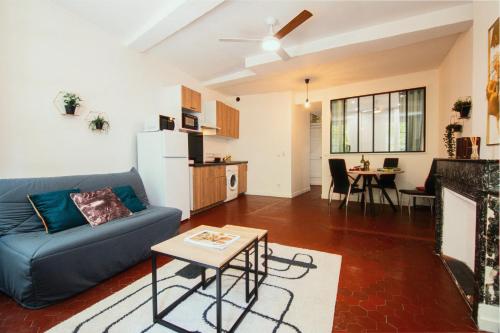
point(467, 233)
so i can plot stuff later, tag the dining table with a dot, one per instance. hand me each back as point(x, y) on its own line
point(368, 176)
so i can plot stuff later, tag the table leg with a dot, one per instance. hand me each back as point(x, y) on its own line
point(203, 278)
point(155, 294)
point(370, 192)
point(218, 276)
point(247, 276)
point(385, 194)
point(265, 255)
point(256, 270)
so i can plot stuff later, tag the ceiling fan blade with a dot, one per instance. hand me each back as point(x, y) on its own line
point(293, 24)
point(283, 54)
point(240, 40)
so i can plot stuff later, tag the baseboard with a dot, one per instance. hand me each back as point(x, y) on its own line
point(299, 192)
point(270, 194)
point(487, 318)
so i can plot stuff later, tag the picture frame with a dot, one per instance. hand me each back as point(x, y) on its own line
point(492, 87)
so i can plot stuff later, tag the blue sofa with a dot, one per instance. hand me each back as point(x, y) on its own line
point(38, 269)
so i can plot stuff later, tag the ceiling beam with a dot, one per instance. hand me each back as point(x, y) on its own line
point(176, 15)
point(230, 77)
point(436, 24)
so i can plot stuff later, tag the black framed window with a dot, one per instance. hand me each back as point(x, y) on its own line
point(379, 123)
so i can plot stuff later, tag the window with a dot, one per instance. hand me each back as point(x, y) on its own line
point(379, 123)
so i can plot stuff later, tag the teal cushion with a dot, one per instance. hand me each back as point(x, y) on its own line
point(56, 210)
point(127, 196)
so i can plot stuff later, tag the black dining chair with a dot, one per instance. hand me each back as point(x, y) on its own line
point(340, 182)
point(388, 181)
point(428, 192)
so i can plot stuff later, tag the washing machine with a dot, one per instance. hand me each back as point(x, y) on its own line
point(231, 182)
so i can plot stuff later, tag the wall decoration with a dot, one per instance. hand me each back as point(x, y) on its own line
point(71, 102)
point(449, 138)
point(463, 106)
point(492, 89)
point(67, 103)
point(98, 122)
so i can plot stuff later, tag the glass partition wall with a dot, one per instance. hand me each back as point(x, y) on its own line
point(384, 122)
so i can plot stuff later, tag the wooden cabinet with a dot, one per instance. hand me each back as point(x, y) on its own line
point(191, 99)
point(242, 178)
point(209, 186)
point(227, 120)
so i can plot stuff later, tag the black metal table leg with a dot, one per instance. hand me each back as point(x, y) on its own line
point(247, 276)
point(370, 192)
point(219, 299)
point(203, 278)
point(385, 194)
point(155, 293)
point(265, 255)
point(256, 270)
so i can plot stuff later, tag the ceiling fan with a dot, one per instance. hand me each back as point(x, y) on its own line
point(272, 42)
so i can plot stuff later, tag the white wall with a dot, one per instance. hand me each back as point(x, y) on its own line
point(415, 165)
point(300, 150)
point(46, 49)
point(265, 141)
point(485, 13)
point(455, 81)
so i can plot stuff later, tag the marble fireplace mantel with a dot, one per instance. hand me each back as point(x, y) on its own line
point(477, 180)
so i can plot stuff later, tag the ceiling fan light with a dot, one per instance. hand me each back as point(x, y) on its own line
point(271, 43)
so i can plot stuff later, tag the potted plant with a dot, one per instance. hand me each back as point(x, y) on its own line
point(99, 123)
point(463, 106)
point(449, 138)
point(71, 102)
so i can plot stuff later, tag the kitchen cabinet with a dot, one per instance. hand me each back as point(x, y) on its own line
point(242, 177)
point(208, 186)
point(175, 100)
point(224, 118)
point(190, 99)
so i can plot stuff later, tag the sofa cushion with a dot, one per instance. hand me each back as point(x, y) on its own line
point(99, 207)
point(16, 213)
point(127, 195)
point(37, 269)
point(56, 210)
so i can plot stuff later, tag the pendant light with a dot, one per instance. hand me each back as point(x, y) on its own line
point(307, 104)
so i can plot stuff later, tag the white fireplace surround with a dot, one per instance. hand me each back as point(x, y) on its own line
point(459, 227)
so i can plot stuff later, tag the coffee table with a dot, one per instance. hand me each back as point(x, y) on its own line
point(210, 258)
point(261, 235)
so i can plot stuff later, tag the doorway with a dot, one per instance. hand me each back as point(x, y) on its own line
point(315, 154)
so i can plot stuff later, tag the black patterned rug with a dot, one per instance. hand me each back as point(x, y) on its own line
point(297, 296)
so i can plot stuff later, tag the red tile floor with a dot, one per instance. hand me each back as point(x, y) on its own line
point(390, 280)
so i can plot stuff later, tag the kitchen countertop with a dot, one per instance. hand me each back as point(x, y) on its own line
point(196, 165)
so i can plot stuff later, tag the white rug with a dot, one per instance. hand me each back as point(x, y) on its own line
point(298, 295)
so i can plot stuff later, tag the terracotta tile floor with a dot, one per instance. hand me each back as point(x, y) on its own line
point(390, 279)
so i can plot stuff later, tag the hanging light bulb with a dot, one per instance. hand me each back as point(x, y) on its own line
point(307, 104)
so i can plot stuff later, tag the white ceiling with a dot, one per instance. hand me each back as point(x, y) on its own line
point(193, 44)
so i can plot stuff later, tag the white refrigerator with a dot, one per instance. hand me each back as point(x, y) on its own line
point(162, 159)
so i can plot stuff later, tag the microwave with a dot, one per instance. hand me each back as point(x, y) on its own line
point(159, 123)
point(189, 121)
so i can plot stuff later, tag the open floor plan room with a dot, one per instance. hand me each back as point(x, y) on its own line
point(249, 166)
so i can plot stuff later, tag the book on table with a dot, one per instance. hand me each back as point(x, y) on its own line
point(212, 239)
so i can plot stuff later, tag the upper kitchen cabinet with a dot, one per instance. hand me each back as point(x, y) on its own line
point(178, 99)
point(190, 99)
point(223, 118)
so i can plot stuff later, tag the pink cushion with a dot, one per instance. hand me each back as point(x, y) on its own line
point(100, 206)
